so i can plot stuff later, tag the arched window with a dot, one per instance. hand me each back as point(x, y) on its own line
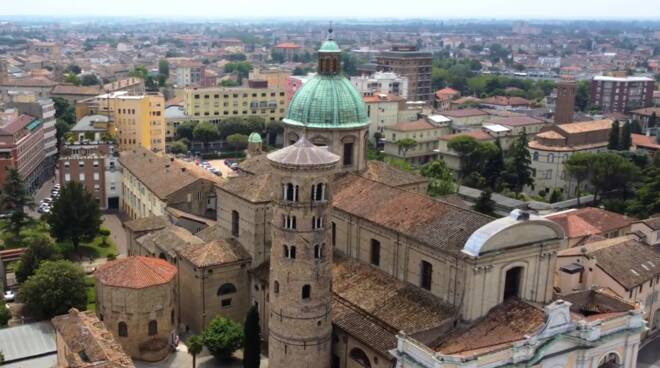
point(317, 222)
point(276, 287)
point(225, 289)
point(285, 251)
point(318, 192)
point(289, 222)
point(292, 252)
point(334, 65)
point(318, 251)
point(153, 327)
point(610, 360)
point(551, 157)
point(306, 291)
point(290, 192)
point(360, 357)
point(122, 329)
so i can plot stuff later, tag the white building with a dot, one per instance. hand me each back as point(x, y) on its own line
point(381, 82)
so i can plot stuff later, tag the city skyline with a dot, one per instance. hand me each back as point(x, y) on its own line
point(480, 9)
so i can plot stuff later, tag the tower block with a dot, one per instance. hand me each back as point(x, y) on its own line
point(300, 320)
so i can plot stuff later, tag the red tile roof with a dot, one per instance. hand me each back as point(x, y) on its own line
point(589, 221)
point(641, 140)
point(136, 272)
point(409, 126)
point(463, 113)
point(286, 45)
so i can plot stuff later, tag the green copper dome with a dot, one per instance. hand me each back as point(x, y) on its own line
point(254, 138)
point(327, 101)
point(329, 46)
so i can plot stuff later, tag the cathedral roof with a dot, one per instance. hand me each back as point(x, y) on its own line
point(136, 272)
point(213, 253)
point(303, 153)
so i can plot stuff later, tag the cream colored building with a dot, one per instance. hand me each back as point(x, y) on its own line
point(137, 120)
point(383, 111)
point(219, 103)
point(624, 265)
point(136, 300)
point(425, 134)
point(554, 145)
point(276, 78)
point(151, 182)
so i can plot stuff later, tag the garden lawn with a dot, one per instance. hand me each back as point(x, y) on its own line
point(90, 281)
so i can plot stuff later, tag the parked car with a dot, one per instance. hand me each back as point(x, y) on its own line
point(9, 296)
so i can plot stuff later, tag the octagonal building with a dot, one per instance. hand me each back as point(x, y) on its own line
point(330, 112)
point(135, 299)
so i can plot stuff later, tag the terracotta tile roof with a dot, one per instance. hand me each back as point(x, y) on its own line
point(85, 336)
point(17, 124)
point(67, 89)
point(586, 126)
point(255, 165)
point(644, 141)
point(29, 82)
point(517, 121)
point(160, 174)
point(479, 135)
point(253, 188)
point(550, 134)
point(212, 232)
point(363, 327)
point(647, 111)
point(387, 98)
point(167, 240)
point(629, 261)
point(389, 175)
point(446, 91)
point(589, 221)
point(462, 113)
point(215, 252)
point(409, 126)
point(653, 223)
point(136, 272)
point(286, 45)
point(504, 324)
point(147, 223)
point(438, 224)
point(506, 101)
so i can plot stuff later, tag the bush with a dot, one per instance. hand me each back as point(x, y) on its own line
point(223, 337)
point(5, 315)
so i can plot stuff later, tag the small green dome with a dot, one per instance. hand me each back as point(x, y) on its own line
point(327, 101)
point(329, 46)
point(254, 138)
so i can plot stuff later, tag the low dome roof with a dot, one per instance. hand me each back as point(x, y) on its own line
point(254, 138)
point(136, 272)
point(303, 153)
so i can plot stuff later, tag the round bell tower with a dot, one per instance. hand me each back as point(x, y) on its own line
point(300, 320)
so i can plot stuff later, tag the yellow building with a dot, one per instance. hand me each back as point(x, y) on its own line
point(276, 78)
point(137, 121)
point(218, 103)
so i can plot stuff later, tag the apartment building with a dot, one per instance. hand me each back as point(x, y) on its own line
point(137, 120)
point(383, 111)
point(218, 103)
point(381, 82)
point(555, 144)
point(188, 72)
point(424, 132)
point(22, 147)
point(415, 65)
point(621, 94)
point(276, 78)
point(151, 182)
point(95, 166)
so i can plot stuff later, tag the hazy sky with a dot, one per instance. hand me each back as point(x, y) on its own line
point(546, 9)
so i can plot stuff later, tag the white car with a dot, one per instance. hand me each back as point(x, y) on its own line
point(9, 296)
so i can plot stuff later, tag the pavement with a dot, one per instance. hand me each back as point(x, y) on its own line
point(181, 359)
point(649, 355)
point(117, 232)
point(226, 171)
point(42, 193)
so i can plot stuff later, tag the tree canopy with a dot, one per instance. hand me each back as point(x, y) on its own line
point(441, 179)
point(205, 132)
point(517, 165)
point(405, 144)
point(55, 287)
point(14, 199)
point(40, 248)
point(252, 341)
point(223, 337)
point(75, 215)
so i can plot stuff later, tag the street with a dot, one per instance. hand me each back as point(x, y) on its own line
point(649, 356)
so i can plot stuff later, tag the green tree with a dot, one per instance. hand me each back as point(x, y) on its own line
point(239, 141)
point(73, 68)
point(555, 196)
point(647, 197)
point(90, 80)
point(517, 165)
point(61, 128)
point(615, 134)
point(494, 166)
point(635, 127)
point(229, 83)
point(582, 95)
point(14, 199)
point(652, 120)
point(5, 316)
point(277, 57)
point(75, 215)
point(205, 132)
point(465, 147)
point(164, 68)
point(349, 64)
point(484, 203)
point(72, 78)
point(178, 147)
point(626, 137)
point(578, 167)
point(64, 111)
point(441, 180)
point(223, 337)
point(252, 341)
point(55, 287)
point(405, 145)
point(40, 248)
point(185, 130)
point(195, 344)
point(611, 173)
point(241, 68)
